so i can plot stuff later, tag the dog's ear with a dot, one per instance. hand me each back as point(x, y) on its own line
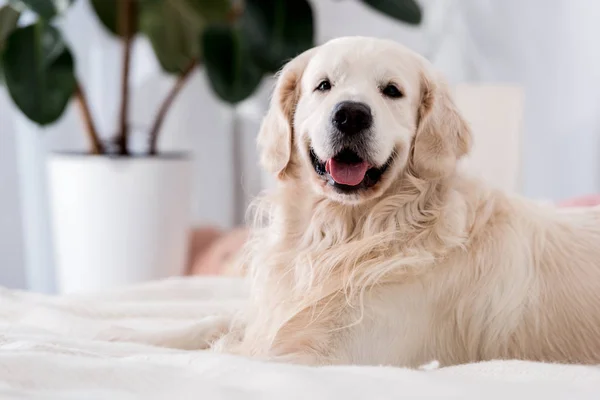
point(443, 136)
point(275, 139)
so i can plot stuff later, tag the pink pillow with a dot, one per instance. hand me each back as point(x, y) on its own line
point(212, 254)
point(584, 201)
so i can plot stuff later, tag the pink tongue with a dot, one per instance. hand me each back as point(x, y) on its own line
point(346, 174)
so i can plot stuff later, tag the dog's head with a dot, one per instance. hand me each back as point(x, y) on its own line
point(354, 114)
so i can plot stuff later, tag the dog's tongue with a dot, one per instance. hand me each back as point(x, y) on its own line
point(346, 174)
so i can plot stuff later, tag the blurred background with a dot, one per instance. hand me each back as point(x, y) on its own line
point(543, 47)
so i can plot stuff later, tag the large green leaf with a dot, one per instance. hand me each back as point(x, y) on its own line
point(174, 28)
point(46, 9)
point(108, 12)
point(8, 23)
point(39, 72)
point(161, 20)
point(403, 10)
point(231, 70)
point(212, 11)
point(277, 30)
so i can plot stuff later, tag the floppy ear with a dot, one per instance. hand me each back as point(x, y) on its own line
point(276, 133)
point(443, 136)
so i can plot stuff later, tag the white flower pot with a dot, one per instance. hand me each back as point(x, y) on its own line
point(118, 221)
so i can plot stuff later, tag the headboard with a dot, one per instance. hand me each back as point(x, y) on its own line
point(495, 113)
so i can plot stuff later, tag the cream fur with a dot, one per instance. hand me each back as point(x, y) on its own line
point(429, 264)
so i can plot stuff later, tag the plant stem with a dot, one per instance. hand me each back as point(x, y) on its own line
point(86, 114)
point(127, 22)
point(166, 105)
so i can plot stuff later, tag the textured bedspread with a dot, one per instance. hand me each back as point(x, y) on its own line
point(116, 346)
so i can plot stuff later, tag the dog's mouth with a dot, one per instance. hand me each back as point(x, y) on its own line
point(348, 172)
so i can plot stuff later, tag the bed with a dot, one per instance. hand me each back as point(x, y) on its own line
point(147, 342)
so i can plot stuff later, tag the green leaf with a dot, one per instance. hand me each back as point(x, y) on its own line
point(156, 17)
point(212, 11)
point(277, 30)
point(39, 72)
point(46, 9)
point(108, 11)
point(231, 70)
point(403, 10)
point(8, 22)
point(174, 28)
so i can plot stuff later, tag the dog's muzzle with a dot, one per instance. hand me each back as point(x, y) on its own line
point(351, 168)
point(351, 128)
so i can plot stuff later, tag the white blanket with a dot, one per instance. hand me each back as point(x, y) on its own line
point(116, 346)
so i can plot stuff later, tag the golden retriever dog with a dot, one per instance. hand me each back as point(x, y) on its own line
point(377, 248)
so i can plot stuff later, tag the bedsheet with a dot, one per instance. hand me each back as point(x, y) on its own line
point(119, 345)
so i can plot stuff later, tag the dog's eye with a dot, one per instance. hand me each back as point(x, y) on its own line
point(392, 91)
point(324, 85)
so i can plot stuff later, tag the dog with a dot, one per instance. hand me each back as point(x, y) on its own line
point(377, 248)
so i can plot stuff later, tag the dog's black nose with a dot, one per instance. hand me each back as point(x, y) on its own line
point(351, 117)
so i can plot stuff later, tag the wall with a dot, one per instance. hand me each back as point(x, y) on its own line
point(11, 244)
point(545, 46)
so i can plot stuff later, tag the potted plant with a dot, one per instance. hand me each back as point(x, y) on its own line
point(120, 217)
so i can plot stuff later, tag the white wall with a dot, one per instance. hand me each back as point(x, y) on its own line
point(11, 243)
point(548, 47)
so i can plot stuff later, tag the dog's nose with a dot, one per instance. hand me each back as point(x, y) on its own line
point(351, 117)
